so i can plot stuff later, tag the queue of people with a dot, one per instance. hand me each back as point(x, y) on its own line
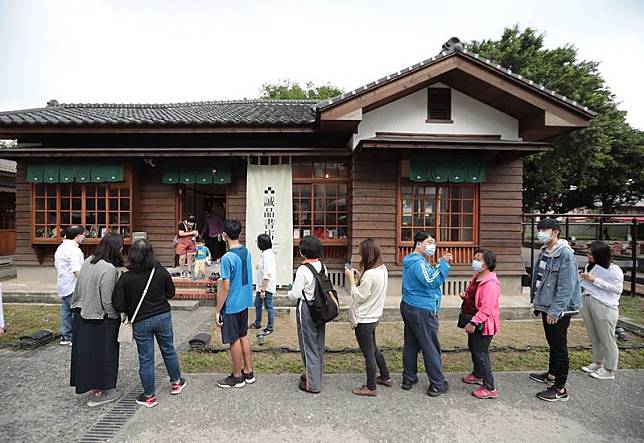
point(141, 294)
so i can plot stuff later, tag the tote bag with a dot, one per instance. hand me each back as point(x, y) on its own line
point(125, 331)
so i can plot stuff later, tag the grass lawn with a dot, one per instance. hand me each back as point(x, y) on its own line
point(24, 319)
point(519, 346)
point(632, 307)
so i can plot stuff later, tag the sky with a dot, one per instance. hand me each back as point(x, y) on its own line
point(159, 51)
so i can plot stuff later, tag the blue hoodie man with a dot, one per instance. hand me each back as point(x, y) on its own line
point(419, 308)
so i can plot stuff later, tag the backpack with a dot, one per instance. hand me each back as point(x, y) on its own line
point(325, 305)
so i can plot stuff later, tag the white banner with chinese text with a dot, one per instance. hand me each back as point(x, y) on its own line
point(269, 210)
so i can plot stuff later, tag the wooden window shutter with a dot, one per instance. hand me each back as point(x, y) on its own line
point(439, 104)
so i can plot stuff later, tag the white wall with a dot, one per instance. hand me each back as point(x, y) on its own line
point(409, 114)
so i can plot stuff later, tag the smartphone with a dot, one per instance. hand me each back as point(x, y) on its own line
point(348, 266)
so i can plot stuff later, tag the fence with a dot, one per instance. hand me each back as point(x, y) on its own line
point(600, 224)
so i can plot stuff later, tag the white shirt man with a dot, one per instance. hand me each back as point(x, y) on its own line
point(68, 260)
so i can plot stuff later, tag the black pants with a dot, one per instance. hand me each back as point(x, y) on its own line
point(557, 337)
point(366, 336)
point(479, 346)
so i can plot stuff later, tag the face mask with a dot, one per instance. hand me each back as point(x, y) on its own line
point(430, 249)
point(544, 236)
point(477, 265)
point(81, 239)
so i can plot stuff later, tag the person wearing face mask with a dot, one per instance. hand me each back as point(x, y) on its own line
point(481, 317)
point(421, 287)
point(68, 260)
point(555, 295)
point(185, 248)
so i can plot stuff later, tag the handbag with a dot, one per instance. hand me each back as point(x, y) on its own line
point(126, 334)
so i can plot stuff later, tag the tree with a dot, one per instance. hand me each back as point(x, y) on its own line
point(602, 164)
point(291, 90)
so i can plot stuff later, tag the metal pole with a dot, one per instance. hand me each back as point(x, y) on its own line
point(568, 228)
point(634, 257)
point(601, 228)
point(531, 246)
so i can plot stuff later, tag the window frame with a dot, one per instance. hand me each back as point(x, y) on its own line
point(108, 187)
point(312, 182)
point(448, 93)
point(400, 243)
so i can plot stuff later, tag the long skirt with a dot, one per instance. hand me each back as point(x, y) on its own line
point(95, 354)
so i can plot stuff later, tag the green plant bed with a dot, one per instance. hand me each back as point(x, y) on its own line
point(632, 307)
point(276, 362)
point(28, 318)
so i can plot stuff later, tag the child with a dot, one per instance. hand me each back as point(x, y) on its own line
point(266, 286)
point(202, 258)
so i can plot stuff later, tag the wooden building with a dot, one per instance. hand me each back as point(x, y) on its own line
point(436, 146)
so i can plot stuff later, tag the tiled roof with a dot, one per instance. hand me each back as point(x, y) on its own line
point(441, 56)
point(215, 113)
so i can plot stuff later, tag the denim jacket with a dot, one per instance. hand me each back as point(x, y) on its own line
point(560, 291)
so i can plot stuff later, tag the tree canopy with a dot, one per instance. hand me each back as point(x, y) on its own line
point(291, 90)
point(602, 164)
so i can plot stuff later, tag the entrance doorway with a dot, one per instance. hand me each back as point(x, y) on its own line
point(201, 200)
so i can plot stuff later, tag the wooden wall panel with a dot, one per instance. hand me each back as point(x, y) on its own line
point(501, 214)
point(156, 211)
point(373, 204)
point(236, 197)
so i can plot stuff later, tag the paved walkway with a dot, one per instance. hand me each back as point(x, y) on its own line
point(38, 405)
point(273, 409)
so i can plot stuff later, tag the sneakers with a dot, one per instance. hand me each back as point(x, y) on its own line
point(364, 391)
point(543, 378)
point(380, 381)
point(64, 341)
point(249, 377)
point(472, 379)
point(232, 382)
point(254, 326)
point(433, 391)
point(603, 374)
point(148, 402)
point(484, 393)
point(104, 397)
point(590, 368)
point(552, 394)
point(267, 331)
point(407, 385)
point(177, 387)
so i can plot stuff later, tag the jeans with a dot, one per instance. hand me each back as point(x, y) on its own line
point(479, 346)
point(66, 318)
point(159, 326)
point(421, 335)
point(268, 304)
point(366, 336)
point(557, 337)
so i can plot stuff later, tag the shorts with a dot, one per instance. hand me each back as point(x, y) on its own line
point(185, 246)
point(235, 326)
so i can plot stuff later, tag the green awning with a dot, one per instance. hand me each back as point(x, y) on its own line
point(74, 172)
point(35, 173)
point(170, 177)
point(444, 168)
point(213, 172)
point(187, 177)
point(67, 174)
point(51, 173)
point(83, 174)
